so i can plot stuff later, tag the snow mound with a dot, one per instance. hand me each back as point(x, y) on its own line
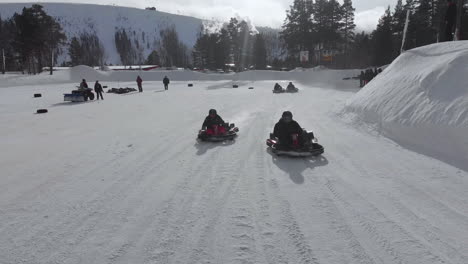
point(421, 101)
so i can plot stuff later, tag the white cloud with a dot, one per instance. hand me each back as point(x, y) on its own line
point(368, 20)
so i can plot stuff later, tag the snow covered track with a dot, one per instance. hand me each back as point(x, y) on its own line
point(124, 181)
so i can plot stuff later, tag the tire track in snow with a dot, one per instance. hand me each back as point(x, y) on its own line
point(294, 233)
point(221, 193)
point(401, 247)
point(80, 220)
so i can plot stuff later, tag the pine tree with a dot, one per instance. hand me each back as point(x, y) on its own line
point(260, 52)
point(153, 58)
point(382, 40)
point(398, 26)
point(348, 26)
point(298, 28)
point(38, 37)
point(74, 52)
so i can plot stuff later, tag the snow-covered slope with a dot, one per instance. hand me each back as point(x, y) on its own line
point(421, 100)
point(143, 25)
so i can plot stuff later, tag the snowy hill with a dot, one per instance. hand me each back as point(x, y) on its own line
point(144, 25)
point(421, 100)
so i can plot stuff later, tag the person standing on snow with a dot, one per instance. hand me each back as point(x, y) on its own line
point(139, 83)
point(98, 89)
point(450, 19)
point(166, 82)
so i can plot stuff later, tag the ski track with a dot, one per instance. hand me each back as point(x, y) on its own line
point(164, 198)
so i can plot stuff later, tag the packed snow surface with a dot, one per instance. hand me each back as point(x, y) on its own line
point(421, 100)
point(125, 181)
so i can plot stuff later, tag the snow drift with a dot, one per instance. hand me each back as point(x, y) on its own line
point(421, 101)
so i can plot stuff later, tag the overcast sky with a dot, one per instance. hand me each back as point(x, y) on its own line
point(261, 12)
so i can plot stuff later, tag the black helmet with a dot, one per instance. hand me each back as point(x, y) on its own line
point(213, 112)
point(287, 114)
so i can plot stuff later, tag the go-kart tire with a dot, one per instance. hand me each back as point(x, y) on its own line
point(235, 86)
point(190, 85)
point(37, 95)
point(41, 111)
point(91, 96)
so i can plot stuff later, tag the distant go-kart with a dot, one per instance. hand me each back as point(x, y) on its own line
point(292, 90)
point(80, 95)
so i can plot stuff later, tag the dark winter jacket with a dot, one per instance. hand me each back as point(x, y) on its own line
point(283, 131)
point(97, 87)
point(278, 87)
point(83, 85)
point(213, 121)
point(166, 81)
point(291, 87)
point(139, 80)
point(451, 14)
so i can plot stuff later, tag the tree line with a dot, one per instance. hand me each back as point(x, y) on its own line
point(236, 46)
point(30, 40)
point(326, 29)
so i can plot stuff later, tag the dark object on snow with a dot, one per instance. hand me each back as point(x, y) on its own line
point(311, 146)
point(213, 119)
point(105, 87)
point(286, 127)
point(37, 95)
point(139, 83)
point(288, 138)
point(83, 84)
point(190, 85)
point(230, 132)
point(251, 88)
point(80, 95)
point(98, 89)
point(278, 88)
point(166, 83)
point(121, 90)
point(291, 88)
point(42, 111)
point(235, 86)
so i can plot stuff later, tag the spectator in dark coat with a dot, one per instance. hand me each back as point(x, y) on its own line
point(450, 20)
point(139, 83)
point(362, 77)
point(166, 83)
point(98, 89)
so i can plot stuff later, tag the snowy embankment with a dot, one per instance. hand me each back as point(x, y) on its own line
point(319, 77)
point(421, 101)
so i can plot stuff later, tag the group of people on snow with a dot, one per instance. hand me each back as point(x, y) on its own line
point(284, 130)
point(139, 81)
point(279, 88)
point(99, 89)
point(366, 76)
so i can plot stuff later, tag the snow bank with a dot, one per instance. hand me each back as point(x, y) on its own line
point(421, 101)
point(318, 77)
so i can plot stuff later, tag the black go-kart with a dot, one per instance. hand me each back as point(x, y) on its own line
point(230, 134)
point(311, 147)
